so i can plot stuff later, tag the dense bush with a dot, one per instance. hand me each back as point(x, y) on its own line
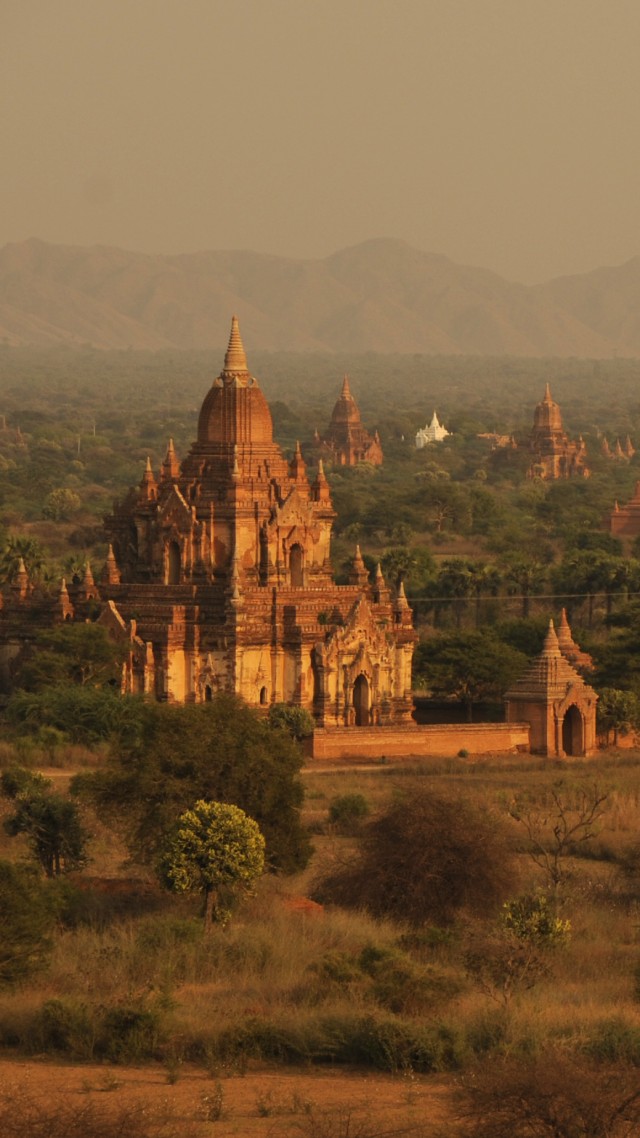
point(552, 1097)
point(348, 811)
point(218, 751)
point(28, 911)
point(423, 860)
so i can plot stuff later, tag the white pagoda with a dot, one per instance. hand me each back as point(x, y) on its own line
point(433, 433)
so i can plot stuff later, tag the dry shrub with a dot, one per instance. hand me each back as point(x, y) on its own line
point(555, 1096)
point(22, 1116)
point(426, 858)
point(345, 1124)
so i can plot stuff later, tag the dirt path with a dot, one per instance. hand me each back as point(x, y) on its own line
point(264, 1102)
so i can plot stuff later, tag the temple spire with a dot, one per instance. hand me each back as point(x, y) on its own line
point(547, 394)
point(148, 484)
point(298, 466)
point(321, 492)
point(111, 573)
point(359, 574)
point(235, 360)
point(551, 647)
point(64, 603)
point(170, 466)
point(346, 390)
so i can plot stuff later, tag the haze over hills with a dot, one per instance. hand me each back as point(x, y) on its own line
point(382, 296)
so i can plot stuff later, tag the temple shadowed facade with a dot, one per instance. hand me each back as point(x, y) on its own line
point(220, 571)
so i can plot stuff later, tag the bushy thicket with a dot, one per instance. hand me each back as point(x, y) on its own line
point(423, 860)
point(219, 751)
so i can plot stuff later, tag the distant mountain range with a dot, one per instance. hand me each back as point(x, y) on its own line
point(380, 296)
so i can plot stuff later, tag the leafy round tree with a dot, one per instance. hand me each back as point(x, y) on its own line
point(296, 720)
point(216, 850)
point(51, 822)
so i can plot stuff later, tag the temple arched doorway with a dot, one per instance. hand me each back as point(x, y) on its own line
point(362, 701)
point(573, 732)
point(296, 561)
point(174, 564)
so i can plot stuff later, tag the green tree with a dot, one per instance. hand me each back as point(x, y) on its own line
point(18, 549)
point(28, 915)
point(527, 576)
point(50, 822)
point(61, 504)
point(83, 714)
point(82, 653)
point(216, 850)
point(617, 661)
point(455, 580)
point(219, 751)
point(467, 666)
point(617, 711)
point(296, 720)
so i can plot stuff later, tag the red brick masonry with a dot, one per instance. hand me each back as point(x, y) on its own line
point(417, 741)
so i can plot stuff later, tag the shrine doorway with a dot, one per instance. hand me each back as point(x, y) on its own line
point(573, 732)
point(296, 561)
point(174, 564)
point(362, 701)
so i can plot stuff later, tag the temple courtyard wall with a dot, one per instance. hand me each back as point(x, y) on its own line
point(414, 741)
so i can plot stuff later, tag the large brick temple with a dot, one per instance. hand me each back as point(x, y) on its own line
point(220, 569)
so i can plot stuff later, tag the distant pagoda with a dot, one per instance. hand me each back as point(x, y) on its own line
point(433, 432)
point(554, 454)
point(346, 442)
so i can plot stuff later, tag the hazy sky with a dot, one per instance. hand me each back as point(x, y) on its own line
point(502, 133)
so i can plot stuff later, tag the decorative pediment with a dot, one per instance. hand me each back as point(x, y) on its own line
point(360, 633)
point(578, 694)
point(175, 511)
point(294, 511)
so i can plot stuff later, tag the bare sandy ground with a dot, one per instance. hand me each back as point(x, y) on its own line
point(264, 1102)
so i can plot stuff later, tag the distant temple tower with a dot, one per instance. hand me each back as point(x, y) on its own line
point(347, 442)
point(624, 521)
point(555, 456)
point(557, 702)
point(434, 432)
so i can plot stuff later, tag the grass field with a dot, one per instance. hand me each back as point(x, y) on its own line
point(131, 978)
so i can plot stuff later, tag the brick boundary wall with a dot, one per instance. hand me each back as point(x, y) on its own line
point(415, 741)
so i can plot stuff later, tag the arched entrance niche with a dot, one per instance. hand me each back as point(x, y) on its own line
point(173, 563)
point(296, 561)
point(208, 693)
point(573, 732)
point(264, 697)
point(362, 701)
